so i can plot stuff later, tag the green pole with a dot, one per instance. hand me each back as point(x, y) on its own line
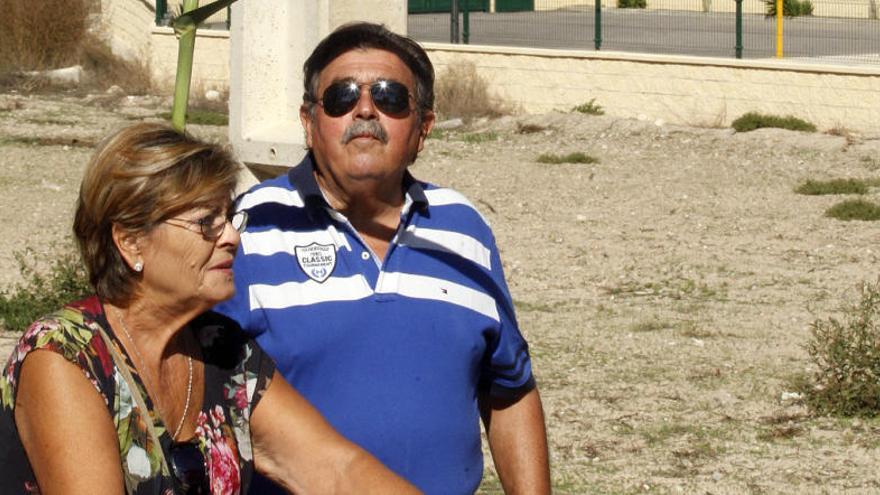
point(185, 53)
point(185, 26)
point(453, 26)
point(739, 28)
point(161, 9)
point(466, 22)
point(598, 25)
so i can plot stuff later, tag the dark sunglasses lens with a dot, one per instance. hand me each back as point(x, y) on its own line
point(188, 465)
point(340, 98)
point(390, 97)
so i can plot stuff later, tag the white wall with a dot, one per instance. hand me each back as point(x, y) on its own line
point(210, 60)
point(126, 26)
point(679, 89)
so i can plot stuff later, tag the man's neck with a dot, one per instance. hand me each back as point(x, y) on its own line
point(372, 209)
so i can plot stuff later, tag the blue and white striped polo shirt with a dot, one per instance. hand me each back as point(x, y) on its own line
point(392, 352)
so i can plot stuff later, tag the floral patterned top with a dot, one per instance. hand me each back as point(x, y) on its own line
point(237, 373)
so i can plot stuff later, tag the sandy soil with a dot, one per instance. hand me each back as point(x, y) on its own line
point(667, 290)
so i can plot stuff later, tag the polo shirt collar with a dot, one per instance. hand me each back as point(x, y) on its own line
point(303, 179)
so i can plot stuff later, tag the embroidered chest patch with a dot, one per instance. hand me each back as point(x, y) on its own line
point(317, 260)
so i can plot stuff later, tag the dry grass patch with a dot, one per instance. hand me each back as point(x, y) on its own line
point(461, 92)
point(44, 34)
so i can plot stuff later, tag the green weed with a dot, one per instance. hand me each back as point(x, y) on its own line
point(834, 186)
point(479, 137)
point(790, 8)
point(854, 209)
point(576, 157)
point(846, 355)
point(590, 107)
point(42, 293)
point(753, 120)
point(201, 117)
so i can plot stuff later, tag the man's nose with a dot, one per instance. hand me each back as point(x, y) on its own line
point(365, 108)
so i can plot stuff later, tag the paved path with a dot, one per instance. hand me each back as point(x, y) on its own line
point(832, 40)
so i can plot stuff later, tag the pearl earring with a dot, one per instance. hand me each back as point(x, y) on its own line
point(138, 267)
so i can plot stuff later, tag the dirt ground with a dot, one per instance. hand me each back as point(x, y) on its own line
point(667, 290)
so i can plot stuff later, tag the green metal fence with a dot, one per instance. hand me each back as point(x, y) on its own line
point(837, 32)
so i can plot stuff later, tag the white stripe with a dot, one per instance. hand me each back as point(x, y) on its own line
point(274, 241)
point(444, 197)
point(436, 289)
point(309, 292)
point(451, 242)
point(270, 195)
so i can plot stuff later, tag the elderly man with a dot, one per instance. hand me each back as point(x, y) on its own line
point(382, 298)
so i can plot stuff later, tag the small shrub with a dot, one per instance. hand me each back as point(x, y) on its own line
point(753, 120)
point(461, 92)
point(576, 157)
point(632, 4)
point(41, 35)
point(42, 293)
point(846, 354)
point(854, 209)
point(833, 186)
point(790, 8)
point(590, 108)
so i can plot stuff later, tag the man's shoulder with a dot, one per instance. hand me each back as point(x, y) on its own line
point(447, 202)
point(277, 190)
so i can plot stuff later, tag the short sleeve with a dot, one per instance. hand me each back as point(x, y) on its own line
point(263, 368)
point(507, 367)
point(72, 336)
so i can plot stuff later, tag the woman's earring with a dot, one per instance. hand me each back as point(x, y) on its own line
point(138, 267)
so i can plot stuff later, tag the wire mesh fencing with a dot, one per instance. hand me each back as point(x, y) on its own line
point(826, 31)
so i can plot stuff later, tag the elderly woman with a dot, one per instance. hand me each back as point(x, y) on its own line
point(140, 388)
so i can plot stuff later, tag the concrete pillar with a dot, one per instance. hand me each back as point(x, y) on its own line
point(270, 40)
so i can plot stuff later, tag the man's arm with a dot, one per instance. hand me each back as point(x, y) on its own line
point(518, 441)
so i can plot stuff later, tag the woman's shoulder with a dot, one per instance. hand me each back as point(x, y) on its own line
point(70, 330)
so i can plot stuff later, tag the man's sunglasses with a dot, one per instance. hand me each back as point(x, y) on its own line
point(188, 466)
point(390, 97)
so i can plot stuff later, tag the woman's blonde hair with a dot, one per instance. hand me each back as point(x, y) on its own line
point(137, 178)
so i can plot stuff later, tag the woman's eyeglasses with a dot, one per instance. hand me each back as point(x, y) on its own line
point(390, 97)
point(188, 467)
point(213, 225)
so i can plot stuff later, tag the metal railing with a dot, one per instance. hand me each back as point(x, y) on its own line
point(838, 31)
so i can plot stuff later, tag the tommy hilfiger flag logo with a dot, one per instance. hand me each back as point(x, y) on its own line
point(317, 260)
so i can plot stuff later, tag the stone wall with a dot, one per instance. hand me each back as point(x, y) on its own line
point(676, 89)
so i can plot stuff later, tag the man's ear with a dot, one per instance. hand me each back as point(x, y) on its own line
point(128, 245)
point(305, 117)
point(427, 124)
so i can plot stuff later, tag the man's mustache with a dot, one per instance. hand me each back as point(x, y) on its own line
point(370, 128)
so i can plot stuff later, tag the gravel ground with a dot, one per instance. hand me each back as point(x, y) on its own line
point(667, 289)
